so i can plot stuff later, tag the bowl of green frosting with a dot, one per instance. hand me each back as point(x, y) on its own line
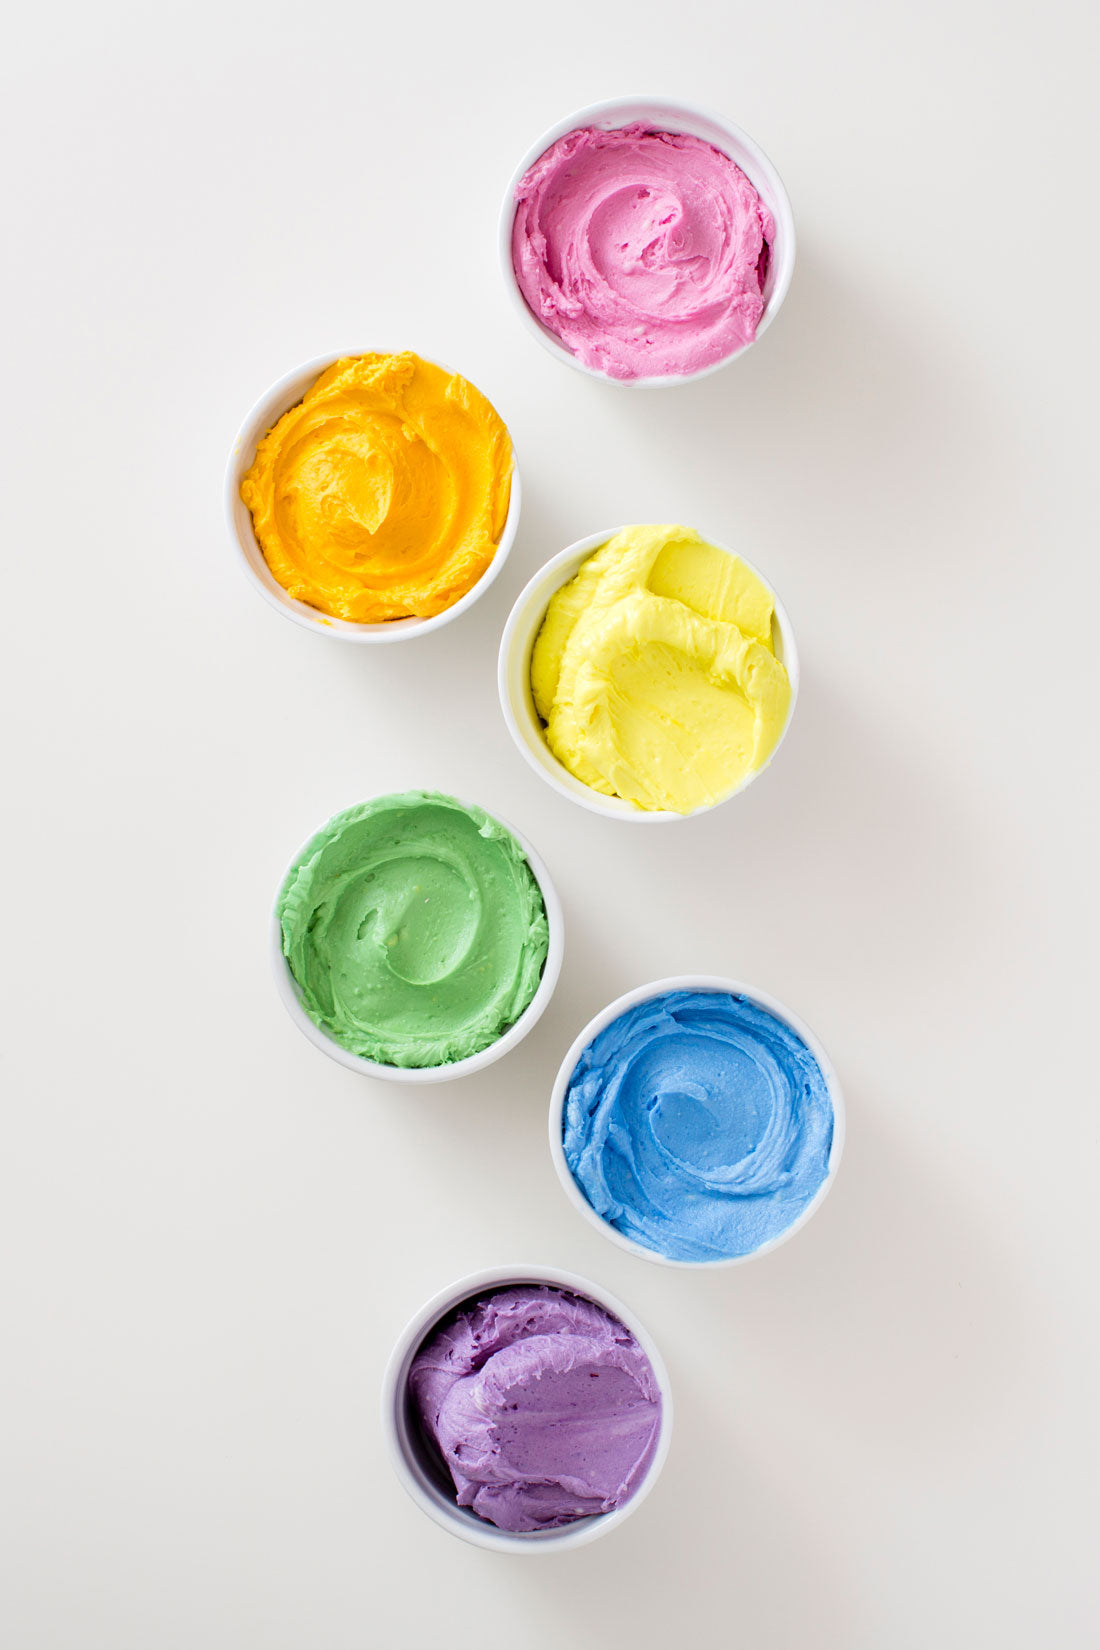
point(416, 938)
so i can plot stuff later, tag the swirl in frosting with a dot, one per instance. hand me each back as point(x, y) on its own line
point(383, 494)
point(644, 252)
point(414, 928)
point(698, 1124)
point(544, 1407)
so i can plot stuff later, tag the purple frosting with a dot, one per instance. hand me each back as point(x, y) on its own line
point(543, 1406)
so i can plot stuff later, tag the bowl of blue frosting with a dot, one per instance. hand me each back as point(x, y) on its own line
point(697, 1122)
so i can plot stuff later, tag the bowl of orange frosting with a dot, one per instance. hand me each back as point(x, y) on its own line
point(373, 496)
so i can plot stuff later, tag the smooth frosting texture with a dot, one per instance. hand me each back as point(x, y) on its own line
point(645, 252)
point(698, 1124)
point(544, 1407)
point(655, 671)
point(383, 494)
point(414, 928)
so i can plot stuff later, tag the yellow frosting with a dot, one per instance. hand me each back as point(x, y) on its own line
point(384, 492)
point(655, 671)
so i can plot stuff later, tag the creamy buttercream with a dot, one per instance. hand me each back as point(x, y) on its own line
point(543, 1407)
point(414, 928)
point(644, 252)
point(383, 494)
point(698, 1124)
point(655, 671)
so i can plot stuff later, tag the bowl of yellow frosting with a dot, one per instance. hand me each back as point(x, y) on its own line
point(648, 673)
point(373, 496)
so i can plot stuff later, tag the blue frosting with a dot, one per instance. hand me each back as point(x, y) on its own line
point(698, 1124)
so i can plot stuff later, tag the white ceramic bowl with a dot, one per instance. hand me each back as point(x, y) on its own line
point(665, 114)
point(287, 987)
point(517, 702)
point(424, 1479)
point(657, 988)
point(263, 417)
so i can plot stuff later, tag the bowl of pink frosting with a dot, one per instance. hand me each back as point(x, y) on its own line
point(646, 241)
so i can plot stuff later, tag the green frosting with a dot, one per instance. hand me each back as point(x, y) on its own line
point(414, 928)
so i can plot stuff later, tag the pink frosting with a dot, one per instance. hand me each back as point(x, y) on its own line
point(644, 252)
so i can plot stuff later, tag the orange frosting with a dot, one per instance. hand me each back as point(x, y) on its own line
point(384, 492)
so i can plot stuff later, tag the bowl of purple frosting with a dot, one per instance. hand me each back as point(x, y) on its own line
point(646, 241)
point(526, 1410)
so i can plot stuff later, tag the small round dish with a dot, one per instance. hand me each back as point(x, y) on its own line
point(643, 993)
point(283, 395)
point(422, 1477)
point(526, 726)
point(290, 996)
point(665, 114)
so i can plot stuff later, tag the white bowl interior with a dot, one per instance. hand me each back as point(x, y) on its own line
point(670, 115)
point(417, 1464)
point(518, 704)
point(263, 417)
point(643, 993)
point(290, 995)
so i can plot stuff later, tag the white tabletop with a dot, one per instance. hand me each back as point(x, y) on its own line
point(212, 1234)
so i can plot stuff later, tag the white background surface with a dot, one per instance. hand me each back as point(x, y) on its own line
point(212, 1234)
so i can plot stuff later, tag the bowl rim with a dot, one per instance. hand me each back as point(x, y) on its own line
point(290, 997)
point(461, 1521)
point(263, 415)
point(718, 984)
point(555, 774)
point(674, 109)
